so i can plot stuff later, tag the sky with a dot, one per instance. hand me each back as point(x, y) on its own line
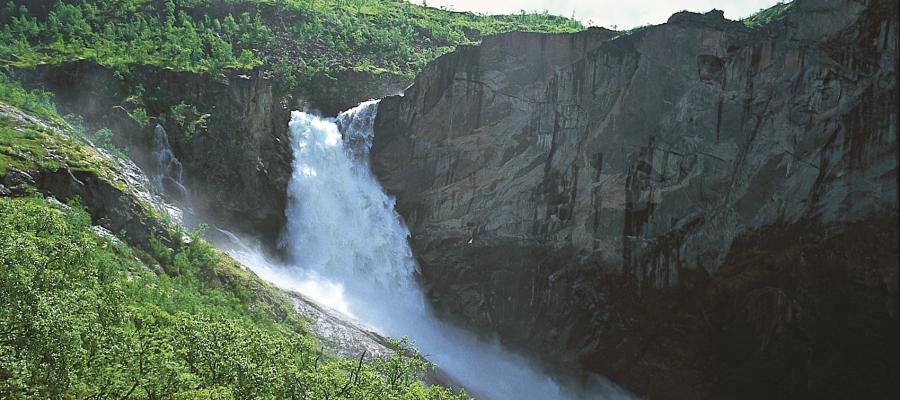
point(608, 13)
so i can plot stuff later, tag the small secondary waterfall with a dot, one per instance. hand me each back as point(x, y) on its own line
point(349, 251)
point(167, 176)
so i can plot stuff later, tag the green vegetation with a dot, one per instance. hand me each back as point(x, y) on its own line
point(767, 15)
point(295, 39)
point(187, 118)
point(21, 147)
point(30, 146)
point(117, 33)
point(35, 139)
point(85, 315)
point(82, 315)
point(36, 102)
point(102, 138)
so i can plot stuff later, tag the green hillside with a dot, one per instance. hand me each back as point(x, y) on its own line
point(88, 313)
point(293, 39)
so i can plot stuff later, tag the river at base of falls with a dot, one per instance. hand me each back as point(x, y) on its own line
point(348, 250)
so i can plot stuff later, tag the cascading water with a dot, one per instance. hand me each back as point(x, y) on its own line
point(167, 177)
point(349, 250)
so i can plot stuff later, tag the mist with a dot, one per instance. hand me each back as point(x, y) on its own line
point(347, 250)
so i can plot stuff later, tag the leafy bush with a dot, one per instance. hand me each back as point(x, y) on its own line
point(187, 118)
point(140, 116)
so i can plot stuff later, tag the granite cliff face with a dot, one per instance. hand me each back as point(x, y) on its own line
point(696, 209)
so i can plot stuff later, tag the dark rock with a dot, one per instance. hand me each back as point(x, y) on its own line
point(577, 193)
point(17, 177)
point(237, 165)
point(117, 210)
point(710, 68)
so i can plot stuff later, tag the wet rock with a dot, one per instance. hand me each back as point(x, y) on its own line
point(340, 335)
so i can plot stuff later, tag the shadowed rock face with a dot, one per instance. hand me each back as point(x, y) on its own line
point(594, 197)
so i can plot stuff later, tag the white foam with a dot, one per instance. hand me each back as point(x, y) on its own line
point(349, 251)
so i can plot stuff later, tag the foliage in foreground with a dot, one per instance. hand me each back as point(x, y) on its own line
point(81, 315)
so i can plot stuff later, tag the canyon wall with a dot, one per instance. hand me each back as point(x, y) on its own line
point(695, 209)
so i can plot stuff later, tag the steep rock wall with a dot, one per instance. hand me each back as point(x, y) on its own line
point(590, 196)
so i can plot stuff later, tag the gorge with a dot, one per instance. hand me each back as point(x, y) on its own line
point(700, 209)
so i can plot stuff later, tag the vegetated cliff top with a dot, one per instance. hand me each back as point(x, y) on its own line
point(768, 15)
point(292, 38)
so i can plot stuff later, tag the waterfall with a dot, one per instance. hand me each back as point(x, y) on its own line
point(348, 249)
point(340, 223)
point(167, 177)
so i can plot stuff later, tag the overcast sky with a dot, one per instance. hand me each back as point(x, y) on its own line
point(606, 13)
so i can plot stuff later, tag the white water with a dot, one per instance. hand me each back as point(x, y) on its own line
point(350, 252)
point(168, 171)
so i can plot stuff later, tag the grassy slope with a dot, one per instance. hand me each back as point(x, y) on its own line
point(37, 144)
point(86, 314)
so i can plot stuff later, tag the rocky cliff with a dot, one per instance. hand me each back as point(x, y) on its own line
point(695, 209)
point(237, 161)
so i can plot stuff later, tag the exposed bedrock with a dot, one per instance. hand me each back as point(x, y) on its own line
point(696, 209)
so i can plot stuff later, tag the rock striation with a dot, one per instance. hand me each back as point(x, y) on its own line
point(695, 209)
